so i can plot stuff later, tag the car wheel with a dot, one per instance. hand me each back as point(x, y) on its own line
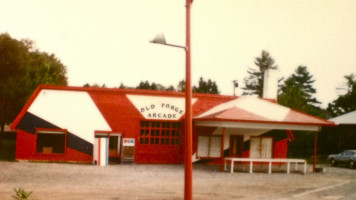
point(332, 162)
point(352, 164)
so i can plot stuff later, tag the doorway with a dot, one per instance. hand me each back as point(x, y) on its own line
point(236, 145)
point(114, 148)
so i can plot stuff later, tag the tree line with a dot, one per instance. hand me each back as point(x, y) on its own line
point(204, 86)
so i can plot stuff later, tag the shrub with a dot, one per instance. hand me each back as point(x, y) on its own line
point(21, 194)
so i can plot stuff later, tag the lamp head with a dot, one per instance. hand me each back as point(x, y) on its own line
point(159, 39)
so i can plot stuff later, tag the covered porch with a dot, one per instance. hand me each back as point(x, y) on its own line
point(252, 130)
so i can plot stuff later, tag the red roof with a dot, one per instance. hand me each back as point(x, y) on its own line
point(256, 110)
point(115, 106)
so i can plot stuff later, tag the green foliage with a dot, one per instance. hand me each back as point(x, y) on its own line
point(22, 194)
point(22, 69)
point(303, 144)
point(7, 149)
point(298, 92)
point(181, 86)
point(209, 87)
point(254, 82)
point(203, 86)
point(347, 102)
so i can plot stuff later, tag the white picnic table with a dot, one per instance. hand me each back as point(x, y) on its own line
point(266, 160)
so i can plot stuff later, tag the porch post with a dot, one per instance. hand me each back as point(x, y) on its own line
point(315, 147)
point(222, 149)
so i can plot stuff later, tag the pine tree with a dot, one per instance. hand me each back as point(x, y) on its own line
point(347, 102)
point(254, 82)
point(298, 92)
point(209, 87)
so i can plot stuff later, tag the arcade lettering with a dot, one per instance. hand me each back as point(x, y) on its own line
point(163, 110)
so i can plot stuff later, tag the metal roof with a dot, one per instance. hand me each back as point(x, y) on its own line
point(348, 118)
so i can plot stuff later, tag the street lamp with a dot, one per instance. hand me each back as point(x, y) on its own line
point(159, 39)
point(188, 165)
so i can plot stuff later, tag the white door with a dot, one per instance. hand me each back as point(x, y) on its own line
point(261, 147)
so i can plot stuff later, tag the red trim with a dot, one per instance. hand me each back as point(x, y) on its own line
point(290, 135)
point(25, 108)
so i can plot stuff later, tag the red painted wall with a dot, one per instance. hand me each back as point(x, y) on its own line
point(26, 150)
point(280, 148)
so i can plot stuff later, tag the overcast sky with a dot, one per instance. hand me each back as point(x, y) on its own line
point(107, 41)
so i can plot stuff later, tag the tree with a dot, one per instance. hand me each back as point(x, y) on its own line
point(347, 102)
point(203, 86)
point(209, 87)
point(23, 68)
point(13, 54)
point(298, 92)
point(147, 86)
point(254, 82)
point(43, 68)
point(181, 86)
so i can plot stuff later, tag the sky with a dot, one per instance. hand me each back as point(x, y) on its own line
point(107, 41)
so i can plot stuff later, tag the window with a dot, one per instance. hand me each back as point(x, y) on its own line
point(51, 141)
point(209, 146)
point(160, 133)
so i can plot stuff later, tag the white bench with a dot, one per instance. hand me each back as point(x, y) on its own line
point(266, 160)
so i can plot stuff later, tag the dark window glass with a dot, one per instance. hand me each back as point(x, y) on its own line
point(113, 142)
point(51, 142)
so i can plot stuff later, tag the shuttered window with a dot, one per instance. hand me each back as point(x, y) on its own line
point(209, 146)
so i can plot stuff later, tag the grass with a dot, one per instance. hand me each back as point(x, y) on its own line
point(21, 194)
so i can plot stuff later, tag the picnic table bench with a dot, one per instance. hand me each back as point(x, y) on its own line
point(266, 160)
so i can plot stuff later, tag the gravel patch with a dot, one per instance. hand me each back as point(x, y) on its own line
point(57, 181)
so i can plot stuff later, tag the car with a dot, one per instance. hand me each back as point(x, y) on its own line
point(347, 157)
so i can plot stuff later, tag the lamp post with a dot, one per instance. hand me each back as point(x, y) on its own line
point(188, 166)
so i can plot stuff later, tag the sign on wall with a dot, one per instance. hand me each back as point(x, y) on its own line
point(128, 142)
point(163, 108)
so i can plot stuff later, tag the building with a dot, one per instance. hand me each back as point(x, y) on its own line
point(342, 137)
point(91, 125)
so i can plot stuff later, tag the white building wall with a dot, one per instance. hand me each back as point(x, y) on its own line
point(71, 110)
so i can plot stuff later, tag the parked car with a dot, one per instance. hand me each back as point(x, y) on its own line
point(347, 157)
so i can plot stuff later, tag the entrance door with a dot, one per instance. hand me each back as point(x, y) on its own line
point(236, 145)
point(159, 143)
point(114, 147)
